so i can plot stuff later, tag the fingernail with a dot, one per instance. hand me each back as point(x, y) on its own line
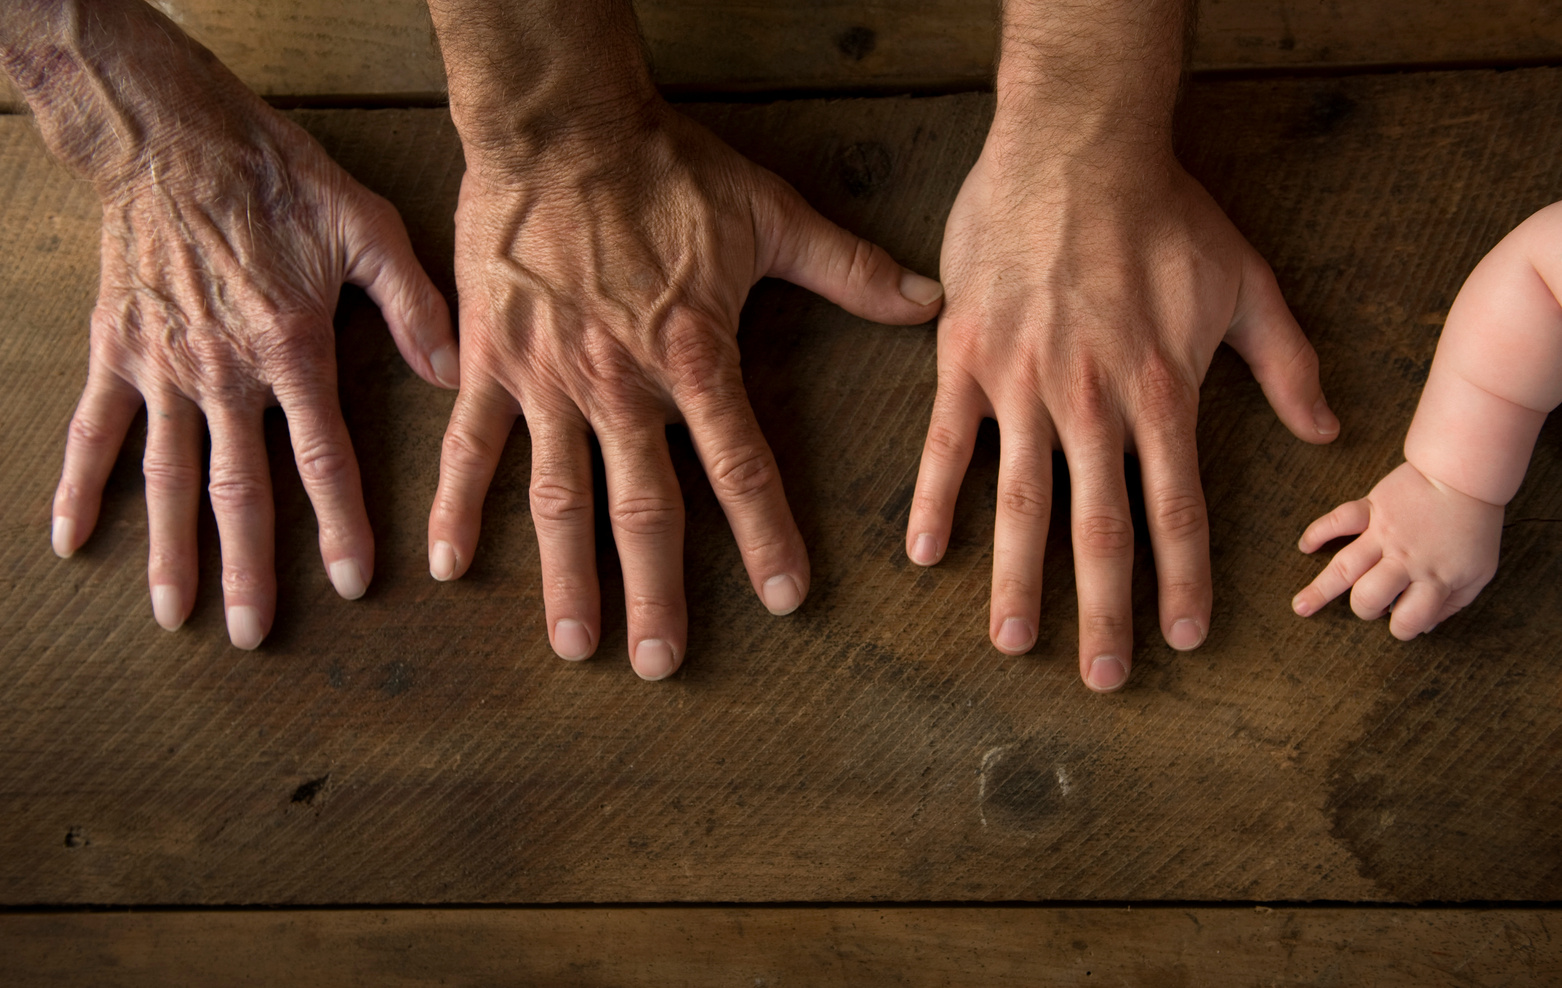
point(922, 291)
point(63, 536)
point(347, 577)
point(244, 627)
point(1186, 634)
point(571, 640)
point(447, 366)
point(654, 659)
point(166, 607)
point(1014, 635)
point(781, 595)
point(1301, 607)
point(1324, 420)
point(442, 562)
point(924, 551)
point(1107, 673)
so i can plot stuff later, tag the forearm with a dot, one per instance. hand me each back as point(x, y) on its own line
point(1077, 75)
point(110, 81)
point(525, 75)
point(1496, 375)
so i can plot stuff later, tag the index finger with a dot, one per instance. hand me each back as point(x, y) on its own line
point(743, 473)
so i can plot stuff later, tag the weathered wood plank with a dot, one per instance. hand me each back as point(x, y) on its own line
point(871, 746)
point(383, 49)
point(562, 948)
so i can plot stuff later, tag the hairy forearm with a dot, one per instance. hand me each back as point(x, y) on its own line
point(524, 75)
point(1075, 75)
point(110, 82)
point(1496, 374)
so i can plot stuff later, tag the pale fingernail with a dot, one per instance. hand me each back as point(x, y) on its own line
point(447, 366)
point(1185, 634)
point(654, 659)
point(571, 640)
point(924, 551)
point(1324, 420)
point(166, 606)
point(781, 595)
point(63, 536)
point(1301, 606)
point(1107, 673)
point(442, 562)
point(347, 577)
point(922, 291)
point(1014, 635)
point(244, 627)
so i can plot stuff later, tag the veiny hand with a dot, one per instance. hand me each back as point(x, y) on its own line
point(224, 249)
point(1424, 549)
point(1086, 297)
point(600, 284)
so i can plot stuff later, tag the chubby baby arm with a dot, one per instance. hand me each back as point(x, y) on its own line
point(1429, 531)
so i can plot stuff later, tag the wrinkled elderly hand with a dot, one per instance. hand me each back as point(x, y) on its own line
point(602, 259)
point(227, 233)
point(1089, 281)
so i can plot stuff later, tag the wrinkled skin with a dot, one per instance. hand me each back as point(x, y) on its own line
point(1086, 298)
point(223, 253)
point(600, 284)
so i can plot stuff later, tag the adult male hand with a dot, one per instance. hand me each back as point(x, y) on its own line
point(604, 247)
point(227, 234)
point(1090, 279)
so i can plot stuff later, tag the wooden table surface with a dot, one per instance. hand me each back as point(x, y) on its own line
point(423, 746)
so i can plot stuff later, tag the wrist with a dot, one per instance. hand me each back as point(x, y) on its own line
point(525, 80)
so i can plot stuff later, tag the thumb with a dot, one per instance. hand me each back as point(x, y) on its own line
point(381, 262)
point(808, 250)
point(1267, 336)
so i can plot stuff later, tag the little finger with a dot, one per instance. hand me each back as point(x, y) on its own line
point(97, 430)
point(946, 455)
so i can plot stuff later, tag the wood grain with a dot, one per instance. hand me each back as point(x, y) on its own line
point(383, 50)
point(422, 745)
point(587, 948)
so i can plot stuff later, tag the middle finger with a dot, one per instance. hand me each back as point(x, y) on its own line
point(240, 491)
point(646, 509)
point(1103, 553)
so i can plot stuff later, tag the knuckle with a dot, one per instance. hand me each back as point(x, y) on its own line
point(944, 444)
point(1164, 394)
point(165, 474)
point(865, 265)
point(1089, 394)
point(243, 581)
point(647, 515)
point(742, 473)
point(88, 434)
point(236, 490)
point(1025, 499)
point(556, 501)
point(1178, 515)
point(699, 359)
point(466, 452)
point(1012, 587)
point(1105, 535)
point(323, 460)
point(1099, 625)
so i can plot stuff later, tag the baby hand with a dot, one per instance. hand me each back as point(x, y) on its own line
point(1424, 549)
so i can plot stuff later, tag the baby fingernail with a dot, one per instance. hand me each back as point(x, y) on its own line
point(442, 562)
point(1301, 606)
point(1185, 634)
point(63, 536)
point(1107, 673)
point(447, 366)
point(347, 577)
point(1324, 420)
point(922, 291)
point(924, 551)
point(654, 659)
point(244, 627)
point(571, 640)
point(781, 595)
point(1015, 635)
point(166, 607)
